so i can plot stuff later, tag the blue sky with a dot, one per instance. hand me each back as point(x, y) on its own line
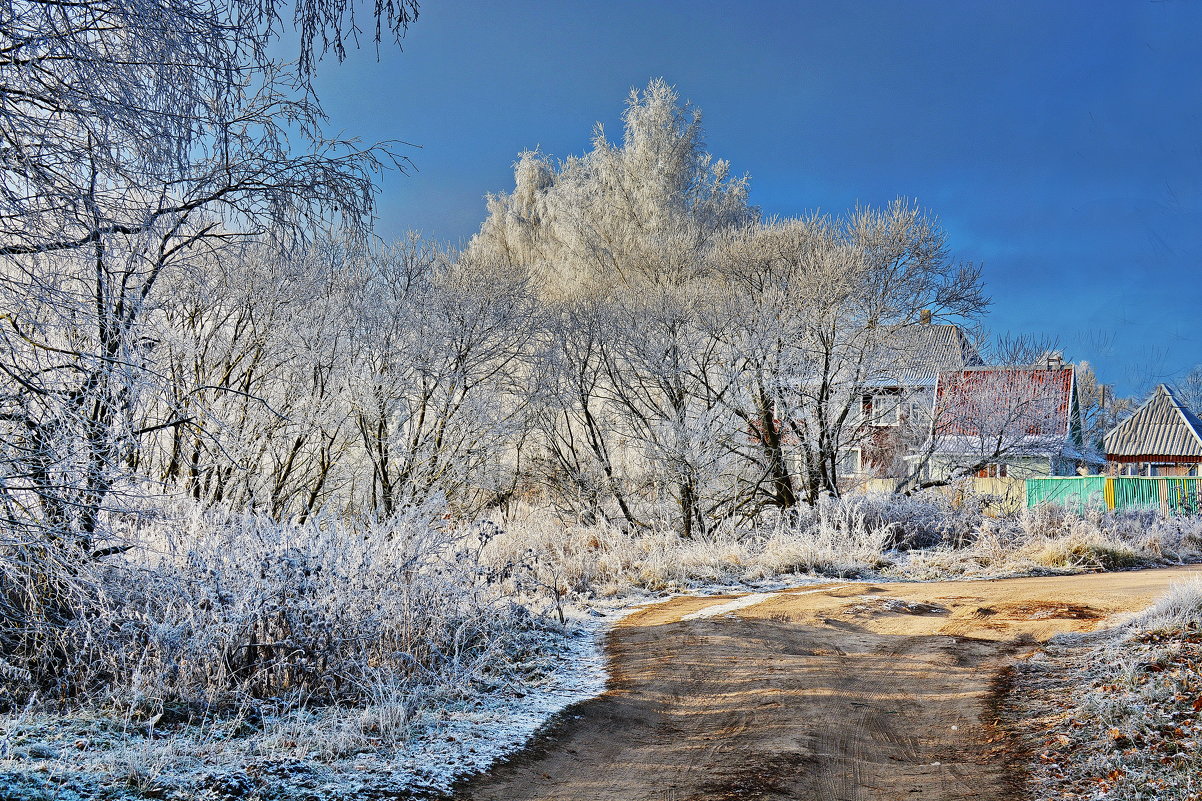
point(1060, 143)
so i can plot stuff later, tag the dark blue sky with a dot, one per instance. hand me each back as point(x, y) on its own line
point(1059, 143)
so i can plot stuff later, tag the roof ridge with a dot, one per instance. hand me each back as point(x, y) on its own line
point(1187, 415)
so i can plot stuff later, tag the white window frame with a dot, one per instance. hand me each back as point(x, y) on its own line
point(918, 410)
point(855, 414)
point(859, 463)
point(892, 417)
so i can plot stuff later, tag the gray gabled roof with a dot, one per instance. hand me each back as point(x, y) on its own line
point(916, 354)
point(1162, 426)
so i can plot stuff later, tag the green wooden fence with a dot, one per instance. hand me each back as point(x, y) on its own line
point(1077, 492)
point(1172, 495)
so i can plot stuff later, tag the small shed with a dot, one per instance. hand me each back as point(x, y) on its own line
point(1162, 438)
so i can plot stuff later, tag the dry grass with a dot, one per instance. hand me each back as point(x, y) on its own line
point(924, 539)
point(1116, 715)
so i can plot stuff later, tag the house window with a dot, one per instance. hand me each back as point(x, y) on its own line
point(885, 410)
point(1170, 469)
point(992, 471)
point(917, 411)
point(856, 414)
point(849, 462)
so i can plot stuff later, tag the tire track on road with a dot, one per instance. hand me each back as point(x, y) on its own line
point(843, 692)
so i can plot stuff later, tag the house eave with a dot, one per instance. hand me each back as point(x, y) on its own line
point(1159, 458)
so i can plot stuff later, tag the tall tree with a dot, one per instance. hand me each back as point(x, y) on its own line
point(817, 319)
point(136, 138)
point(617, 240)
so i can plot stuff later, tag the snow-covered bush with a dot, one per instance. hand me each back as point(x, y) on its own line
point(219, 609)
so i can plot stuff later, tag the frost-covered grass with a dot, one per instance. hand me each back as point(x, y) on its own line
point(229, 656)
point(1051, 539)
point(1119, 716)
point(581, 562)
point(209, 612)
point(879, 536)
point(385, 748)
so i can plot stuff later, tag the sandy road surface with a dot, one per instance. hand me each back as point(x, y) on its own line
point(848, 692)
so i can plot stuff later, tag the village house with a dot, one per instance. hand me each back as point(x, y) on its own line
point(1009, 422)
point(897, 407)
point(1162, 438)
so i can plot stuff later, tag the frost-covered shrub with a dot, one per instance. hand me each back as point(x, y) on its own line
point(219, 608)
point(921, 521)
point(1178, 608)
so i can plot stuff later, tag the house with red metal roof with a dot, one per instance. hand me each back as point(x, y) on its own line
point(1016, 422)
point(1162, 438)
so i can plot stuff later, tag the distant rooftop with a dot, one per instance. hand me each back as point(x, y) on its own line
point(918, 353)
point(1162, 428)
point(1034, 400)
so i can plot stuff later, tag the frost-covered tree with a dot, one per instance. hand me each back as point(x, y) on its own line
point(631, 215)
point(583, 463)
point(617, 244)
point(358, 380)
point(819, 316)
point(438, 385)
point(135, 139)
point(659, 377)
point(1101, 409)
point(120, 117)
point(251, 349)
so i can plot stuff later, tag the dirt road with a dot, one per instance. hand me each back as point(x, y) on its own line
point(837, 693)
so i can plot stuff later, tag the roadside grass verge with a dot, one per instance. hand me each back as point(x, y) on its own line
point(924, 538)
point(412, 747)
point(1117, 715)
point(231, 656)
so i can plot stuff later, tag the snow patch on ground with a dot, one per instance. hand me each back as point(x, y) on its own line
point(754, 598)
point(730, 606)
point(826, 588)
